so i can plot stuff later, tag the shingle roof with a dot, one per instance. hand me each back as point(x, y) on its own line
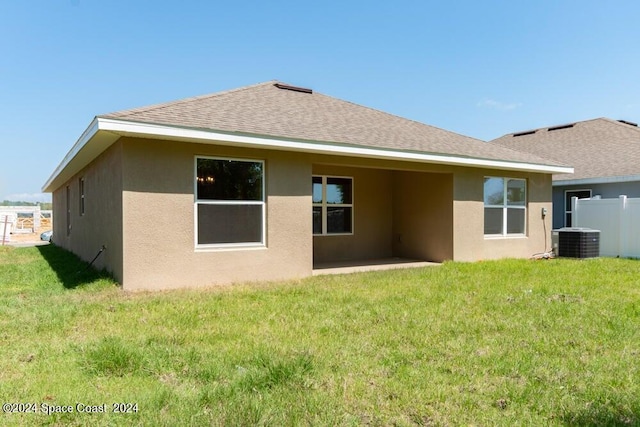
point(267, 110)
point(596, 148)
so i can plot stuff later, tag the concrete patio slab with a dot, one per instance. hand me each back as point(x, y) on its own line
point(346, 267)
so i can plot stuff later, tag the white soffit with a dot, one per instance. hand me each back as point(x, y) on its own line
point(89, 146)
point(93, 142)
point(597, 180)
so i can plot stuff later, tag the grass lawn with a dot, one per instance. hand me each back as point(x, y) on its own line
point(513, 342)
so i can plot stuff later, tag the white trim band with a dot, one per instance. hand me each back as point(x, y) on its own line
point(319, 147)
point(127, 128)
point(600, 180)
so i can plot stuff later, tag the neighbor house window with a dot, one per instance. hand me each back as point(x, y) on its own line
point(505, 206)
point(568, 194)
point(229, 206)
point(332, 205)
point(81, 186)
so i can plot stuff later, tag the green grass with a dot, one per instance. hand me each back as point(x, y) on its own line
point(513, 342)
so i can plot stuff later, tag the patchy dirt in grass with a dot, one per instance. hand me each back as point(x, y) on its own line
point(564, 298)
point(25, 238)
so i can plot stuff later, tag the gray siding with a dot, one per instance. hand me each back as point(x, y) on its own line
point(606, 191)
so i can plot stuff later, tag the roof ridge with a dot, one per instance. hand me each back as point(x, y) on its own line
point(398, 117)
point(517, 150)
point(579, 122)
point(619, 123)
point(545, 160)
point(162, 105)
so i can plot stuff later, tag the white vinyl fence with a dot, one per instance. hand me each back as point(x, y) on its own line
point(617, 219)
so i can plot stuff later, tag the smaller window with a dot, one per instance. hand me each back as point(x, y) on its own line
point(332, 198)
point(505, 206)
point(81, 185)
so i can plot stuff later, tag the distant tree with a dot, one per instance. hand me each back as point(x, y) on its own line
point(43, 205)
point(14, 203)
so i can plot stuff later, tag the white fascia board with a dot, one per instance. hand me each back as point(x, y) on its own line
point(122, 127)
point(203, 136)
point(601, 180)
point(86, 136)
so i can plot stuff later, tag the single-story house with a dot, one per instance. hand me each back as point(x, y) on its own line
point(605, 154)
point(268, 181)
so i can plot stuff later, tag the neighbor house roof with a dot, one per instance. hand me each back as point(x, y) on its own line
point(279, 116)
point(600, 150)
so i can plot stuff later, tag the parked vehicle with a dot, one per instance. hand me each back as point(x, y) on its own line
point(46, 236)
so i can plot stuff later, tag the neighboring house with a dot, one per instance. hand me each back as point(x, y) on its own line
point(604, 153)
point(268, 181)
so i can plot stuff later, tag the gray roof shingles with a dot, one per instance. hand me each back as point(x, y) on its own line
point(266, 110)
point(597, 148)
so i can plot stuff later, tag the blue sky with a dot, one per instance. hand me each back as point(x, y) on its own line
point(480, 68)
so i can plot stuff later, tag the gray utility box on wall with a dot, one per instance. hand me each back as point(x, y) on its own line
point(577, 242)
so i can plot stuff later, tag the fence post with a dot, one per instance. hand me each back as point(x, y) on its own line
point(574, 211)
point(36, 218)
point(622, 226)
point(4, 231)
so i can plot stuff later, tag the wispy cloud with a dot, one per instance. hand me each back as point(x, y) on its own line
point(498, 105)
point(29, 197)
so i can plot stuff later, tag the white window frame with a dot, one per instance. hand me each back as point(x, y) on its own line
point(505, 206)
point(324, 205)
point(567, 207)
point(229, 246)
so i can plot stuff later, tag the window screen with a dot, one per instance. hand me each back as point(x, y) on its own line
point(230, 208)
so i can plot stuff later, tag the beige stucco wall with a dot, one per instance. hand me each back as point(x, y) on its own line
point(372, 222)
point(396, 213)
point(468, 215)
point(101, 223)
point(158, 206)
point(423, 215)
point(463, 237)
point(140, 204)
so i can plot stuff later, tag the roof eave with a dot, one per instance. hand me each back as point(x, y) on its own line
point(114, 128)
point(76, 156)
point(318, 147)
point(597, 180)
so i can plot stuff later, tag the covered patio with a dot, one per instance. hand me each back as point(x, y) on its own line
point(368, 218)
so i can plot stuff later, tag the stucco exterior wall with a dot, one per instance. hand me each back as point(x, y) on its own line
point(158, 207)
point(140, 204)
point(423, 215)
point(372, 210)
point(101, 223)
point(469, 241)
point(450, 225)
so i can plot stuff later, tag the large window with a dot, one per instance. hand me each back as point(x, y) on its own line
point(230, 208)
point(505, 206)
point(568, 194)
point(332, 205)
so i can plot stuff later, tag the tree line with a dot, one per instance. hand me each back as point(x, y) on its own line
point(45, 206)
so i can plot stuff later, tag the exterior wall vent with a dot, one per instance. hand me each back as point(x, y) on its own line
point(570, 125)
point(628, 123)
point(293, 88)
